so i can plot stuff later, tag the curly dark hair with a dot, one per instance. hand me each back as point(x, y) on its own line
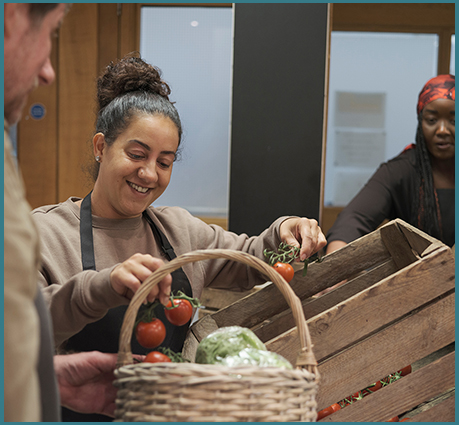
point(127, 88)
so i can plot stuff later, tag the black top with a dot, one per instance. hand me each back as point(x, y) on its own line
point(388, 195)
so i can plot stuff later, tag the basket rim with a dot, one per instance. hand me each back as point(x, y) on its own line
point(305, 357)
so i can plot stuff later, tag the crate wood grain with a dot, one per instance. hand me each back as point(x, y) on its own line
point(402, 395)
point(386, 351)
point(362, 262)
point(371, 309)
point(395, 307)
point(440, 407)
point(368, 252)
point(213, 299)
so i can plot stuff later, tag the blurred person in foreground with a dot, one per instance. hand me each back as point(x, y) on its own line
point(35, 381)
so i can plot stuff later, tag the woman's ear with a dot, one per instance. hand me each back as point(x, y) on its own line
point(98, 142)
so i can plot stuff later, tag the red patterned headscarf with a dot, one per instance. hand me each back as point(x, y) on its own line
point(439, 87)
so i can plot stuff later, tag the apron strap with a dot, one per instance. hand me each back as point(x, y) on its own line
point(86, 240)
point(161, 238)
point(88, 339)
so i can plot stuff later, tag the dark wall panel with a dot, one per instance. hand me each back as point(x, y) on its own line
point(277, 113)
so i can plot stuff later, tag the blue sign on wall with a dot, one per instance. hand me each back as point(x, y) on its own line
point(37, 111)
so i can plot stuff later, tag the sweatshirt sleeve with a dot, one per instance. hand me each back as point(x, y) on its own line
point(386, 195)
point(187, 233)
point(75, 297)
point(84, 298)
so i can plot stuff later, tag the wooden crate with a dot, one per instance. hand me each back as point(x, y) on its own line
point(395, 308)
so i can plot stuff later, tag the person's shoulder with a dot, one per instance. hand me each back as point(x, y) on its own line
point(407, 155)
point(404, 162)
point(175, 217)
point(52, 212)
point(169, 213)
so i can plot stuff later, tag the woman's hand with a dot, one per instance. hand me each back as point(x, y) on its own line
point(303, 233)
point(127, 277)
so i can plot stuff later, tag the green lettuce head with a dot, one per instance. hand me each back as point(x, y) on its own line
point(226, 341)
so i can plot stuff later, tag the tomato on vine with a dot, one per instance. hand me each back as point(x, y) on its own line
point(405, 370)
point(285, 255)
point(180, 314)
point(328, 411)
point(150, 334)
point(156, 357)
point(285, 270)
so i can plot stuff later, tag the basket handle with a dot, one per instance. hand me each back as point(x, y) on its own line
point(305, 358)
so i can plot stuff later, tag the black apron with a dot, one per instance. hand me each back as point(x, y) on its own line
point(103, 335)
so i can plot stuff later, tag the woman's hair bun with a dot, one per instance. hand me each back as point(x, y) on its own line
point(129, 74)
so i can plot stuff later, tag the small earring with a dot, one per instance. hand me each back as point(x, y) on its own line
point(98, 158)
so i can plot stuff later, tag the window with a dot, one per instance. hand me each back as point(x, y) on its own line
point(193, 48)
point(375, 79)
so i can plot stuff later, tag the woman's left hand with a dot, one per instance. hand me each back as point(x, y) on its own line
point(303, 233)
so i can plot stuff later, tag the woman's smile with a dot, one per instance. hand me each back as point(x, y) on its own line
point(136, 168)
point(138, 188)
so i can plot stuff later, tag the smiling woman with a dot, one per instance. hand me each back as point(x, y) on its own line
point(97, 251)
point(135, 170)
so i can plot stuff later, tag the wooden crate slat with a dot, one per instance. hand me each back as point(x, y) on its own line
point(218, 298)
point(383, 353)
point(419, 242)
point(400, 396)
point(398, 246)
point(189, 347)
point(284, 321)
point(444, 411)
point(372, 308)
point(369, 251)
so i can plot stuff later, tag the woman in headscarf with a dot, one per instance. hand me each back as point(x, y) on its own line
point(417, 186)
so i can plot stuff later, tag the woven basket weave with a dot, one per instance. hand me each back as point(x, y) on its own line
point(189, 392)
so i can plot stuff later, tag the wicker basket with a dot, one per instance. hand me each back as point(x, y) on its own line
point(188, 392)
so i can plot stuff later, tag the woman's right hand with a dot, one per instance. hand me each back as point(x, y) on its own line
point(127, 277)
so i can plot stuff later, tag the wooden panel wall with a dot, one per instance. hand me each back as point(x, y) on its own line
point(37, 144)
point(78, 69)
point(92, 35)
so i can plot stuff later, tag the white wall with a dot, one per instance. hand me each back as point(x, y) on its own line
point(394, 67)
point(193, 48)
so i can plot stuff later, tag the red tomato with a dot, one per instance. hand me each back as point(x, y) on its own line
point(394, 419)
point(156, 357)
point(357, 396)
point(328, 411)
point(375, 387)
point(179, 315)
point(285, 270)
point(405, 371)
point(150, 334)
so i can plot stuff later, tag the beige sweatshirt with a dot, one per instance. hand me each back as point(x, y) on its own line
point(21, 321)
point(78, 297)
